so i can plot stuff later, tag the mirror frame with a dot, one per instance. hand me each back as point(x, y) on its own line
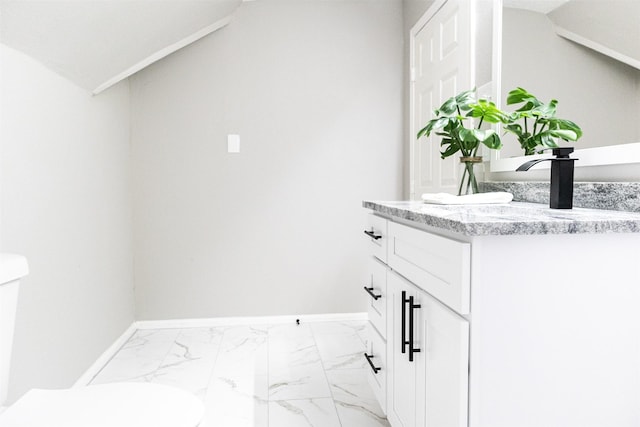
point(620, 154)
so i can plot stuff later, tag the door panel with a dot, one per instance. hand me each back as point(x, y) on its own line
point(444, 373)
point(431, 391)
point(442, 64)
point(402, 379)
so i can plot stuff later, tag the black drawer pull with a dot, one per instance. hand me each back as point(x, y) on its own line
point(403, 325)
point(412, 349)
point(373, 235)
point(373, 367)
point(408, 301)
point(370, 292)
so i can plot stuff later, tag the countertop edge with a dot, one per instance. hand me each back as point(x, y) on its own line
point(541, 221)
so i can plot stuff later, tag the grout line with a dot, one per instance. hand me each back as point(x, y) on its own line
point(268, 375)
point(324, 371)
point(213, 366)
point(166, 353)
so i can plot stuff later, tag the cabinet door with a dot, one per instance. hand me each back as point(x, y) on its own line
point(402, 374)
point(443, 375)
point(431, 390)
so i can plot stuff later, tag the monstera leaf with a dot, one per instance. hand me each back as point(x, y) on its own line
point(540, 127)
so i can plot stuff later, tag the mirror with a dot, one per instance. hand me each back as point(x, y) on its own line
point(597, 89)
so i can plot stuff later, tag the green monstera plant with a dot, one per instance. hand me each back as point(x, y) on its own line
point(535, 123)
point(452, 117)
point(451, 123)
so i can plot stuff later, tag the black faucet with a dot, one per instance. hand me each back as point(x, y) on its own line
point(561, 177)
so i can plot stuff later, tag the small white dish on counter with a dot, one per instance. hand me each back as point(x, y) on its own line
point(496, 197)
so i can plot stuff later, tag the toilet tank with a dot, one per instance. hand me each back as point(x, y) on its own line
point(12, 269)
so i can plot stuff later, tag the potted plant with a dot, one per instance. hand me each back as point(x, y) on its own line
point(540, 127)
point(451, 123)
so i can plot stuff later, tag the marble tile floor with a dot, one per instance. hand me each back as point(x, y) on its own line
point(283, 375)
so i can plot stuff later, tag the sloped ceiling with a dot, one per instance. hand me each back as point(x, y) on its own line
point(609, 27)
point(96, 43)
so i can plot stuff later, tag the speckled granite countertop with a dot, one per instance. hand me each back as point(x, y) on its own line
point(512, 218)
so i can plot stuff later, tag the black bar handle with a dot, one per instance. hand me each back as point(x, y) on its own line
point(412, 350)
point(373, 235)
point(403, 322)
point(373, 367)
point(370, 292)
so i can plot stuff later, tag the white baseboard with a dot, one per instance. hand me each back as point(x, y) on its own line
point(260, 320)
point(100, 363)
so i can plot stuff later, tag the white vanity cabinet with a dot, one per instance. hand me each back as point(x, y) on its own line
point(422, 379)
point(537, 329)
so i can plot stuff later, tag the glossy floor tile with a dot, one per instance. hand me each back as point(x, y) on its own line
point(282, 375)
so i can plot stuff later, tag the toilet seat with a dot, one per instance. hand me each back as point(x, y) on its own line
point(106, 405)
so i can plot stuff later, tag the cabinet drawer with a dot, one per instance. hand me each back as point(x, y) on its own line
point(376, 289)
point(377, 231)
point(377, 366)
point(436, 264)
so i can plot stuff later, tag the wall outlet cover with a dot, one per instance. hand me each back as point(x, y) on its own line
point(233, 143)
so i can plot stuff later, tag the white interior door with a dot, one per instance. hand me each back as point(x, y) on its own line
point(442, 66)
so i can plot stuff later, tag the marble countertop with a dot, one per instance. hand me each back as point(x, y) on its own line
point(509, 219)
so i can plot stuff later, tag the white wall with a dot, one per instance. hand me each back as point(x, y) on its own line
point(412, 12)
point(65, 174)
point(314, 89)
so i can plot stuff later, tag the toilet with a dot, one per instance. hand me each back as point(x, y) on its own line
point(104, 405)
